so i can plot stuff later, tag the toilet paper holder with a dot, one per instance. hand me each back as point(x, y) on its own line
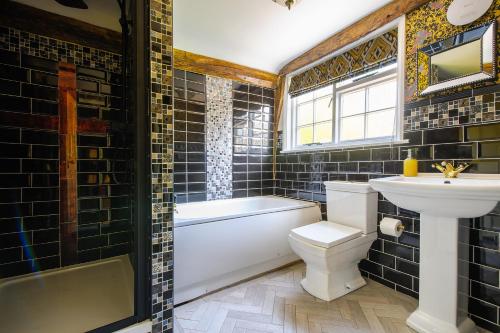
point(391, 227)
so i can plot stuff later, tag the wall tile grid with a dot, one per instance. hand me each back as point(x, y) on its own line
point(253, 121)
point(162, 158)
point(252, 139)
point(29, 154)
point(219, 138)
point(457, 128)
point(190, 167)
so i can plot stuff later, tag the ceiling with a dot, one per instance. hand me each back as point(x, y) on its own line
point(103, 13)
point(260, 33)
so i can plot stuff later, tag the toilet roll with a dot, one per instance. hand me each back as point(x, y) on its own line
point(391, 227)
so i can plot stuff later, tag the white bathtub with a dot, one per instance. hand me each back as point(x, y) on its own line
point(218, 243)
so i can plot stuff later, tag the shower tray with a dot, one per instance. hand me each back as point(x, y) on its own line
point(76, 298)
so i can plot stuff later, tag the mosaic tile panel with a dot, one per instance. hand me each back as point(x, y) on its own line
point(161, 53)
point(219, 140)
point(57, 50)
point(473, 110)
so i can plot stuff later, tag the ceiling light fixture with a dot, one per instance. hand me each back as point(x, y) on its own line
point(287, 3)
point(78, 4)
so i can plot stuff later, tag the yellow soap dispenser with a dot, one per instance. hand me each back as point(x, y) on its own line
point(410, 165)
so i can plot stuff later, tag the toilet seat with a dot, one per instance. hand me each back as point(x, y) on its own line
point(325, 234)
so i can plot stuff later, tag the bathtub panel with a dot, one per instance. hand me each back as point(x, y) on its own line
point(209, 256)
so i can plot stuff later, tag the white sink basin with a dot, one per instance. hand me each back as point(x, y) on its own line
point(432, 194)
point(443, 279)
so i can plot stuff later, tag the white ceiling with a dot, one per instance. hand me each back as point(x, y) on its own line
point(260, 33)
point(103, 13)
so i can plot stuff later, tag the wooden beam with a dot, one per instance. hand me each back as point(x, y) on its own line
point(353, 33)
point(67, 164)
point(26, 18)
point(210, 66)
point(278, 109)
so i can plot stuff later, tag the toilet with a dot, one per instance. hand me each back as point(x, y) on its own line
point(332, 249)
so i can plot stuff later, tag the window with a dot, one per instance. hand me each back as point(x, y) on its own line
point(360, 110)
point(314, 117)
point(367, 111)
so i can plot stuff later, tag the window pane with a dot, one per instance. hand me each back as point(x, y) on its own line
point(380, 123)
point(353, 103)
point(305, 97)
point(305, 135)
point(352, 128)
point(305, 114)
point(328, 90)
point(323, 109)
point(323, 132)
point(382, 96)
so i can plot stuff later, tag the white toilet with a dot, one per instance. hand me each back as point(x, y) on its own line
point(332, 249)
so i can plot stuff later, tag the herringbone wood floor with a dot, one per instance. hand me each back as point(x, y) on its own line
point(276, 302)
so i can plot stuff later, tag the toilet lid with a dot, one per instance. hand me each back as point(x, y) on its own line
point(325, 234)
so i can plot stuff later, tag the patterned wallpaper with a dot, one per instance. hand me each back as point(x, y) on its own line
point(428, 24)
point(161, 51)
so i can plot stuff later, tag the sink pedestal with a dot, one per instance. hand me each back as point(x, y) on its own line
point(440, 293)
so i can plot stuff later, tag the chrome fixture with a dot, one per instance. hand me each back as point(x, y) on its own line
point(449, 170)
point(287, 3)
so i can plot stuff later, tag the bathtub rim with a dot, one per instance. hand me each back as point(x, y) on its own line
point(300, 204)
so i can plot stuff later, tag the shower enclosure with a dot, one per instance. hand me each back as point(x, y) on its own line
point(73, 251)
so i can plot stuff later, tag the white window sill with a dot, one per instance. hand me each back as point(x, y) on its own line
point(331, 146)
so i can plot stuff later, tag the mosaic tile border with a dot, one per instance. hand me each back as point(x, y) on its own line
point(57, 50)
point(161, 54)
point(470, 110)
point(219, 140)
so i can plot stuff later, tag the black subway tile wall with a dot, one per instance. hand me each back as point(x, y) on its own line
point(252, 139)
point(29, 154)
point(190, 177)
point(394, 261)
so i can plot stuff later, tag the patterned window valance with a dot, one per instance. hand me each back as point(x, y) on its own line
point(367, 56)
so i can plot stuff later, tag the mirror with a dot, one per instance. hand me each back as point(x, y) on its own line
point(462, 59)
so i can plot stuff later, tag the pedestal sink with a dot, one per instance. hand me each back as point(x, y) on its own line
point(441, 202)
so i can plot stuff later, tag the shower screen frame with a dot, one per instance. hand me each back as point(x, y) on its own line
point(141, 215)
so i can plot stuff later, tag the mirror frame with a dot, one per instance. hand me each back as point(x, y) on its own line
point(425, 54)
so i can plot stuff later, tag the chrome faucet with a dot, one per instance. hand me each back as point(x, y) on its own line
point(448, 169)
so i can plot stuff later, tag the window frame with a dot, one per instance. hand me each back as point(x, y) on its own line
point(366, 80)
point(358, 84)
point(294, 116)
point(286, 123)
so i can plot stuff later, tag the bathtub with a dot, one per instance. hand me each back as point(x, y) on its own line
point(219, 243)
point(75, 299)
